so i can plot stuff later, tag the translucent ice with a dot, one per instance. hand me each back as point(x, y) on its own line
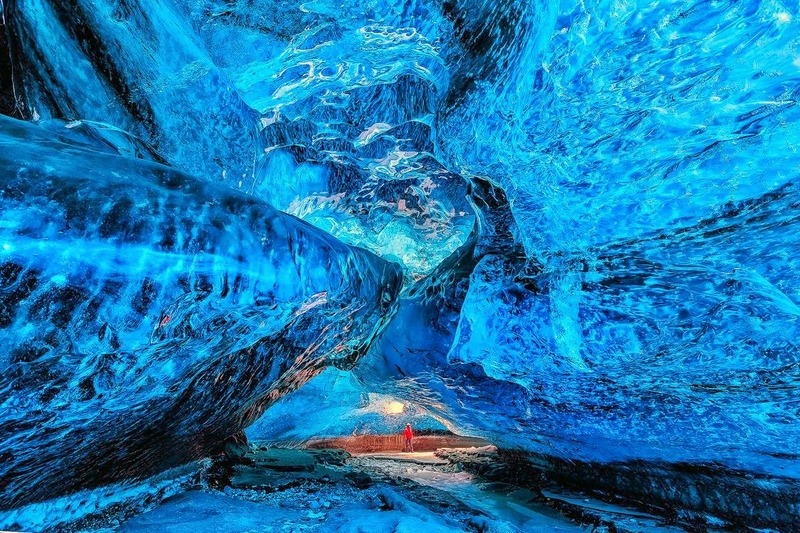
point(146, 317)
point(594, 206)
point(136, 66)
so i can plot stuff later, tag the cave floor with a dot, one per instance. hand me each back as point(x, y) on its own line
point(288, 490)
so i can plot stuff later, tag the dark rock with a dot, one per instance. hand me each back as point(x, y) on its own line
point(360, 480)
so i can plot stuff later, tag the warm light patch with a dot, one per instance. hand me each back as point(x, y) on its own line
point(394, 408)
point(783, 17)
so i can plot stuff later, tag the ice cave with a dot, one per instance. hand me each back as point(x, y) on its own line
point(244, 244)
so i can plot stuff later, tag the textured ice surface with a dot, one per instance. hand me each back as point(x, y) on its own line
point(613, 119)
point(197, 511)
point(138, 66)
point(349, 119)
point(594, 205)
point(648, 151)
point(146, 317)
point(341, 407)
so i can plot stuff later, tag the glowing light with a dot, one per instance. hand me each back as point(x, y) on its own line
point(394, 408)
point(783, 17)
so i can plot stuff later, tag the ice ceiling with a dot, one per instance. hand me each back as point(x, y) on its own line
point(569, 227)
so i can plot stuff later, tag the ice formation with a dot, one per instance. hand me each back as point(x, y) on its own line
point(568, 227)
point(148, 316)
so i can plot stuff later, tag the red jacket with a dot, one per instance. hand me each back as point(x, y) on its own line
point(408, 433)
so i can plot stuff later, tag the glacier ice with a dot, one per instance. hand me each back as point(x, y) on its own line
point(137, 66)
point(355, 131)
point(592, 208)
point(614, 120)
point(146, 317)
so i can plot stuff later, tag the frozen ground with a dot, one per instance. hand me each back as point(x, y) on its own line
point(508, 507)
point(262, 489)
point(276, 490)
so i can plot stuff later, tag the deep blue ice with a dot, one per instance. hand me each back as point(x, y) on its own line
point(570, 228)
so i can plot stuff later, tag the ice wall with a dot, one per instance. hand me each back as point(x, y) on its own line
point(594, 206)
point(146, 317)
point(648, 155)
point(137, 66)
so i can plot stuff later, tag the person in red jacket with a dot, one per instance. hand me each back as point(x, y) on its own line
point(409, 435)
